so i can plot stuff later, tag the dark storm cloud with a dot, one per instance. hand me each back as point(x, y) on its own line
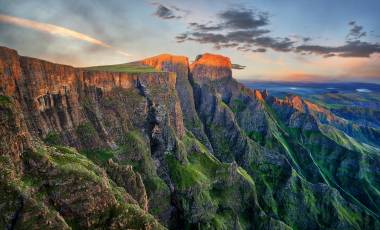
point(350, 49)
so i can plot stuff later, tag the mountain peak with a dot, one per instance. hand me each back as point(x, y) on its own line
point(165, 61)
point(212, 60)
point(211, 66)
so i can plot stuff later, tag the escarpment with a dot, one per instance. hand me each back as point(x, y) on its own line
point(180, 66)
point(175, 145)
point(54, 96)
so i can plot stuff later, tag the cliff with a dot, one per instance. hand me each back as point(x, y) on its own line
point(180, 66)
point(211, 67)
point(175, 145)
point(66, 106)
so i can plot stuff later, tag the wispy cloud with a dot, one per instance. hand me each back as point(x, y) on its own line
point(55, 30)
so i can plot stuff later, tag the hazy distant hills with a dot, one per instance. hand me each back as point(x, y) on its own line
point(358, 102)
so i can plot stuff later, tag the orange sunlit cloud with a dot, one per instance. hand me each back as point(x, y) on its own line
point(55, 30)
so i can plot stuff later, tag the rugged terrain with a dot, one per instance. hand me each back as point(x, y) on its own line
point(163, 143)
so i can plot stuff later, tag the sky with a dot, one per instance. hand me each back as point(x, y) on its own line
point(269, 40)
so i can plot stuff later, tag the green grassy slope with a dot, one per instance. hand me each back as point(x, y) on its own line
point(124, 68)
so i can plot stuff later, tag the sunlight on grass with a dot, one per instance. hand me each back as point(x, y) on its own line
point(133, 67)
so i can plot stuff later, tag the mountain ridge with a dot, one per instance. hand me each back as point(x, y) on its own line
point(206, 151)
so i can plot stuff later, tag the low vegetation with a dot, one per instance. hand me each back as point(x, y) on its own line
point(127, 68)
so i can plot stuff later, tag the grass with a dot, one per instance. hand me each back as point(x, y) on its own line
point(238, 106)
point(257, 137)
point(245, 175)
point(99, 156)
point(124, 68)
point(186, 176)
point(346, 141)
point(4, 100)
point(53, 138)
point(86, 133)
point(200, 170)
point(208, 192)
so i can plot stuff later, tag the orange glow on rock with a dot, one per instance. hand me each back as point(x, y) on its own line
point(258, 95)
point(158, 61)
point(213, 60)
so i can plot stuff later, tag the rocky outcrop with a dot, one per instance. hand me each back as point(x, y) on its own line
point(125, 177)
point(180, 66)
point(211, 67)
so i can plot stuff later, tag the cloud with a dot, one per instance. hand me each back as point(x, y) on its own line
point(353, 46)
point(55, 30)
point(169, 12)
point(277, 44)
point(356, 31)
point(204, 38)
point(243, 40)
point(243, 19)
point(204, 27)
point(234, 19)
point(245, 36)
point(350, 49)
point(241, 28)
point(246, 30)
point(249, 48)
point(182, 37)
point(164, 12)
point(238, 67)
point(306, 39)
point(300, 39)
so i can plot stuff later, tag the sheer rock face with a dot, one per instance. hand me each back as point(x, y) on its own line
point(180, 66)
point(211, 67)
point(53, 96)
point(10, 70)
point(14, 136)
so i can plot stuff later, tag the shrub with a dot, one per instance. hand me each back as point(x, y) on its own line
point(53, 138)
